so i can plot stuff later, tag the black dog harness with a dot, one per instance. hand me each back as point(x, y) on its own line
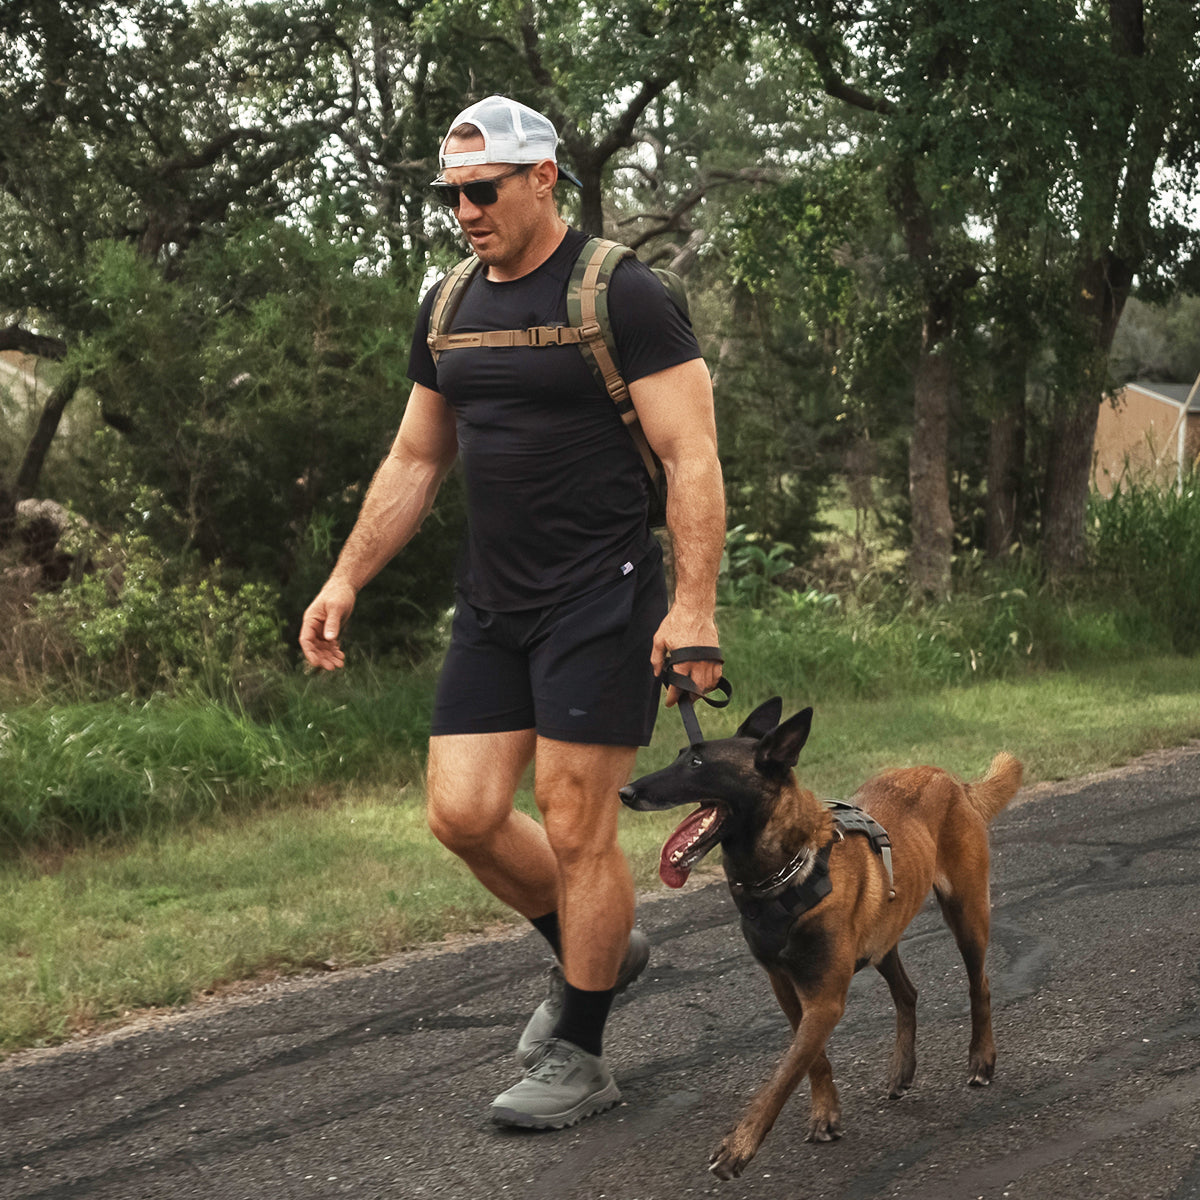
point(770, 906)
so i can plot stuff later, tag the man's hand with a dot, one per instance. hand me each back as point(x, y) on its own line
point(323, 622)
point(679, 629)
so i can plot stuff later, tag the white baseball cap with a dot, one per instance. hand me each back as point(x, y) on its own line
point(512, 132)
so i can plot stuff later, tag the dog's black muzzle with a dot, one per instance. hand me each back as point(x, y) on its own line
point(631, 797)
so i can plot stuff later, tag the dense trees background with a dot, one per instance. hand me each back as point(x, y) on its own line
point(909, 232)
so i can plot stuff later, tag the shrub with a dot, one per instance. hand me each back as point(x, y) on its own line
point(1145, 549)
point(140, 622)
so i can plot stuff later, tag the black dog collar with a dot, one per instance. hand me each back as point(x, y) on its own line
point(768, 919)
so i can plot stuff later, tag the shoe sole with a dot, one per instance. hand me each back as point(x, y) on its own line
point(590, 1106)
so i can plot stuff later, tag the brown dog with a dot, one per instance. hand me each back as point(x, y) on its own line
point(825, 892)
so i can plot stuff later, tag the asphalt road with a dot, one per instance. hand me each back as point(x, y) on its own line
point(376, 1083)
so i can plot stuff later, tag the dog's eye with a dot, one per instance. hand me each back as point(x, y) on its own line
point(696, 761)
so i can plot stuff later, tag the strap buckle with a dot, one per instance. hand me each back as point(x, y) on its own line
point(547, 335)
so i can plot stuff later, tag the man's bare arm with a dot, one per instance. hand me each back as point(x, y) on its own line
point(398, 500)
point(675, 408)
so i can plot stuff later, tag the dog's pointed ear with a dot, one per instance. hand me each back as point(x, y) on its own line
point(780, 749)
point(762, 720)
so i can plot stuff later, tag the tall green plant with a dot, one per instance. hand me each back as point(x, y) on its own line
point(1144, 543)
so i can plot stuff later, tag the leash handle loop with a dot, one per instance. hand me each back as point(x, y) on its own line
point(689, 692)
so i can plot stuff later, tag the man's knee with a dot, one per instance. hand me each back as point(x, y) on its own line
point(579, 808)
point(461, 824)
point(470, 785)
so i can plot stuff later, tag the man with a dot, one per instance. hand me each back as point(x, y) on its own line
point(562, 621)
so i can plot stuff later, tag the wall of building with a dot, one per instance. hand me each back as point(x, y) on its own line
point(1137, 439)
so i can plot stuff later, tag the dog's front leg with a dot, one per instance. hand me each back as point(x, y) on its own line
point(820, 1015)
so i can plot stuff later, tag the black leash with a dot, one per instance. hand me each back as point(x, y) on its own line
point(689, 691)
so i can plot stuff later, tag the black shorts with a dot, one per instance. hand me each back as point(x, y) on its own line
point(578, 671)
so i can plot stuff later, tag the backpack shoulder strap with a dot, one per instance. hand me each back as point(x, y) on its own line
point(587, 310)
point(445, 305)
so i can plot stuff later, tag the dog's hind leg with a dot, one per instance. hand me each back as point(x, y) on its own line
point(904, 996)
point(969, 917)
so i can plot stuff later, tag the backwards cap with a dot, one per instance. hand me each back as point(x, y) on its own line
point(512, 133)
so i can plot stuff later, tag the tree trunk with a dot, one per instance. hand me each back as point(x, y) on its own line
point(1068, 480)
point(1006, 458)
point(1103, 289)
point(591, 204)
point(8, 515)
point(928, 484)
point(39, 445)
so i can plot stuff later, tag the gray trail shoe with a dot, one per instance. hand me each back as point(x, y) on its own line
point(564, 1085)
point(541, 1025)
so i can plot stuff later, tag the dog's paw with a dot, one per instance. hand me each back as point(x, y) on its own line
point(982, 1072)
point(824, 1129)
point(900, 1076)
point(727, 1161)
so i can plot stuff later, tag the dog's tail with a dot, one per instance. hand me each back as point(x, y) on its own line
point(991, 793)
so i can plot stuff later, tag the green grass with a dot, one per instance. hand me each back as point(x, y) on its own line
point(126, 767)
point(90, 934)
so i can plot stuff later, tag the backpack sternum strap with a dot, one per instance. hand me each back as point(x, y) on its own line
point(536, 335)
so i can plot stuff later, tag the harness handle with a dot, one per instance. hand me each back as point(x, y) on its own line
point(689, 691)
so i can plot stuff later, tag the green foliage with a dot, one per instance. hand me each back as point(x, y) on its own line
point(749, 571)
point(258, 387)
point(1144, 545)
point(71, 772)
point(1158, 341)
point(139, 622)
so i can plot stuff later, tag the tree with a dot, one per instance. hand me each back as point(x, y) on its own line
point(133, 122)
point(1133, 127)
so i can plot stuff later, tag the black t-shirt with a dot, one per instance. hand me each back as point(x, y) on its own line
point(556, 490)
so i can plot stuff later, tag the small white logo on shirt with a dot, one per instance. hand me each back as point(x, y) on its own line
point(626, 568)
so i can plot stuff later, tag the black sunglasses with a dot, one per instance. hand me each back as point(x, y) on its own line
point(480, 192)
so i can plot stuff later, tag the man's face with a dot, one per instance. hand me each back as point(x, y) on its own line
point(499, 233)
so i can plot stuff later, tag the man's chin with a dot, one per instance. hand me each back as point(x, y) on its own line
point(484, 247)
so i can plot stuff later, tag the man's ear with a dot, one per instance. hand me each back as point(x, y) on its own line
point(762, 720)
point(780, 749)
point(545, 176)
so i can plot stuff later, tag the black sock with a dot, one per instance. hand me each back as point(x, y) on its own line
point(583, 1017)
point(547, 926)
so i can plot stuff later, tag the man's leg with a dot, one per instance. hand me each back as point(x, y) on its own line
point(472, 779)
point(576, 789)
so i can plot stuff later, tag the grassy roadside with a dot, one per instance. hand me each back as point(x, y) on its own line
point(88, 937)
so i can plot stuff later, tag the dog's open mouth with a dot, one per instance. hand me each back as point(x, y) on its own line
point(694, 838)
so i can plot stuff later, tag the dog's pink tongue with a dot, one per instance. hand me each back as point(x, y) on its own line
point(674, 874)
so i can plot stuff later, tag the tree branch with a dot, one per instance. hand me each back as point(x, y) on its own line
point(673, 220)
point(13, 337)
point(834, 84)
point(209, 154)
